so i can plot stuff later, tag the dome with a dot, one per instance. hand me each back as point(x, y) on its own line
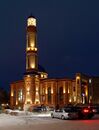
point(41, 69)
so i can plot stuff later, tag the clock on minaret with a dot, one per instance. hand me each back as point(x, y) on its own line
point(31, 21)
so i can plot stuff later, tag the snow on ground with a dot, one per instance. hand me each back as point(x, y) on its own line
point(42, 121)
point(8, 120)
point(23, 118)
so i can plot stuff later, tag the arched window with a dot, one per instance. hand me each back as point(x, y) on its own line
point(20, 95)
point(49, 94)
point(61, 94)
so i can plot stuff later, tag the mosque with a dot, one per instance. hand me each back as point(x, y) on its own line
point(36, 88)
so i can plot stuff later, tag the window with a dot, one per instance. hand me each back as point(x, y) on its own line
point(74, 89)
point(28, 62)
point(14, 95)
point(49, 94)
point(43, 91)
point(61, 94)
point(78, 81)
point(20, 94)
point(43, 98)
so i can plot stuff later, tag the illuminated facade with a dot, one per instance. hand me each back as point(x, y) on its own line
point(37, 89)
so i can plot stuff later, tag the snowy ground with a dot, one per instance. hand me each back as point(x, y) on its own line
point(24, 119)
point(28, 121)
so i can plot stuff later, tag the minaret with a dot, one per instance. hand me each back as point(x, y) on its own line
point(31, 77)
point(31, 45)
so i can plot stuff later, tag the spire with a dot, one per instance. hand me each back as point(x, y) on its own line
point(31, 16)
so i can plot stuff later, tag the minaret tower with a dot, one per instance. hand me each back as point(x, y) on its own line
point(31, 45)
point(31, 77)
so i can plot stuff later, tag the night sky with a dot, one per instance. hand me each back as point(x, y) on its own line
point(68, 37)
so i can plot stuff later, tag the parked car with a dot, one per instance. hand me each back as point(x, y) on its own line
point(38, 108)
point(73, 112)
point(85, 111)
point(50, 108)
point(95, 108)
point(65, 113)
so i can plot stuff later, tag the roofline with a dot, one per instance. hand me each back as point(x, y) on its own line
point(57, 79)
point(16, 81)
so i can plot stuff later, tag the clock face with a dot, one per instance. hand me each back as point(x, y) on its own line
point(31, 22)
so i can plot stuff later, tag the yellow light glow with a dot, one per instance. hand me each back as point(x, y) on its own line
point(69, 100)
point(28, 76)
point(31, 22)
point(36, 89)
point(41, 75)
point(37, 93)
point(51, 90)
point(28, 49)
point(16, 102)
point(28, 89)
point(28, 93)
point(31, 49)
point(37, 101)
point(68, 90)
point(64, 90)
point(46, 91)
point(86, 92)
point(45, 76)
point(29, 101)
point(12, 94)
point(32, 45)
point(77, 77)
point(74, 98)
point(35, 49)
point(32, 66)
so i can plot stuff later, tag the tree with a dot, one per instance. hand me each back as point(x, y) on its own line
point(4, 96)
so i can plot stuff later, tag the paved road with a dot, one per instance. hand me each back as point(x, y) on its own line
point(36, 123)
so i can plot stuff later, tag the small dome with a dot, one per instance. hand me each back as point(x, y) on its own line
point(41, 69)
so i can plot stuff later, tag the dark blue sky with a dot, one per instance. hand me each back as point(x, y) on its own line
point(68, 37)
